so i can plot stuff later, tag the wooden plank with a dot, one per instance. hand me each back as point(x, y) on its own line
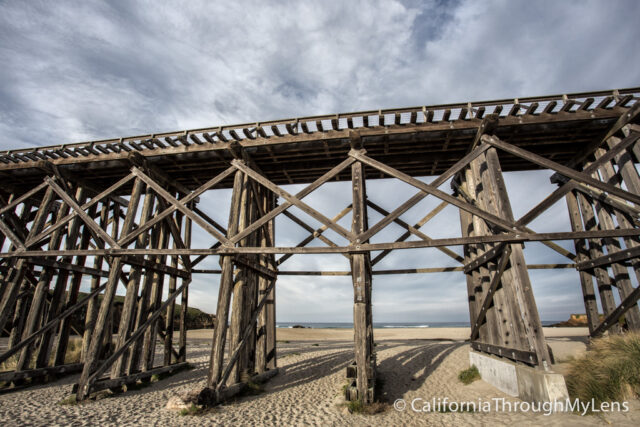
point(606, 219)
point(16, 272)
point(184, 302)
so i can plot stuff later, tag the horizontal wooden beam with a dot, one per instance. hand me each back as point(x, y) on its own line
point(454, 241)
point(109, 383)
point(528, 357)
point(40, 372)
point(609, 259)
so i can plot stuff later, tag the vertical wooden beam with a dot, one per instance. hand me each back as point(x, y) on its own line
point(101, 327)
point(361, 278)
point(16, 272)
point(142, 311)
point(263, 283)
point(184, 299)
point(92, 305)
point(241, 289)
point(149, 343)
point(595, 251)
point(474, 287)
point(168, 326)
point(72, 297)
point(224, 292)
point(510, 297)
point(20, 313)
point(493, 332)
point(270, 306)
point(44, 348)
point(131, 296)
point(586, 282)
point(606, 215)
point(524, 310)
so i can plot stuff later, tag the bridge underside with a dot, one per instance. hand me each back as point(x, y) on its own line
point(123, 212)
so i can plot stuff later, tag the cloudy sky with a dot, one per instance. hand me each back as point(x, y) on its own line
point(85, 70)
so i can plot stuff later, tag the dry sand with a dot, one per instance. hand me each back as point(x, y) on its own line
point(413, 363)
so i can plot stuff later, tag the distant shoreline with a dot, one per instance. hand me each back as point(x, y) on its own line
point(346, 334)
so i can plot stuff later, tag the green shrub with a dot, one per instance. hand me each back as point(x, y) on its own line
point(469, 375)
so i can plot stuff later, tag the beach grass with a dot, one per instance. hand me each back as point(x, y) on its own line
point(469, 375)
point(609, 371)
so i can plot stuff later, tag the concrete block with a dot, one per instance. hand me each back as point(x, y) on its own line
point(518, 380)
point(496, 372)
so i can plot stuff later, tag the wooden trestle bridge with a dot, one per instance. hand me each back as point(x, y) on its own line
point(124, 211)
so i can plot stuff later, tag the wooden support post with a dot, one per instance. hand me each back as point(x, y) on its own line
point(586, 282)
point(131, 296)
point(16, 272)
point(496, 322)
point(72, 298)
point(270, 306)
point(184, 301)
point(361, 277)
point(243, 290)
point(145, 294)
point(149, 343)
point(224, 292)
point(605, 283)
point(55, 307)
point(523, 308)
point(606, 215)
point(20, 313)
point(474, 285)
point(168, 326)
point(101, 328)
point(92, 307)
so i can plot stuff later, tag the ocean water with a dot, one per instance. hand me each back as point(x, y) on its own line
point(349, 325)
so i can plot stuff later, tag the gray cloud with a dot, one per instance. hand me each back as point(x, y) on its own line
point(90, 70)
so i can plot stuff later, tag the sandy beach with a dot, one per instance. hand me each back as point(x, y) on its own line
point(412, 364)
